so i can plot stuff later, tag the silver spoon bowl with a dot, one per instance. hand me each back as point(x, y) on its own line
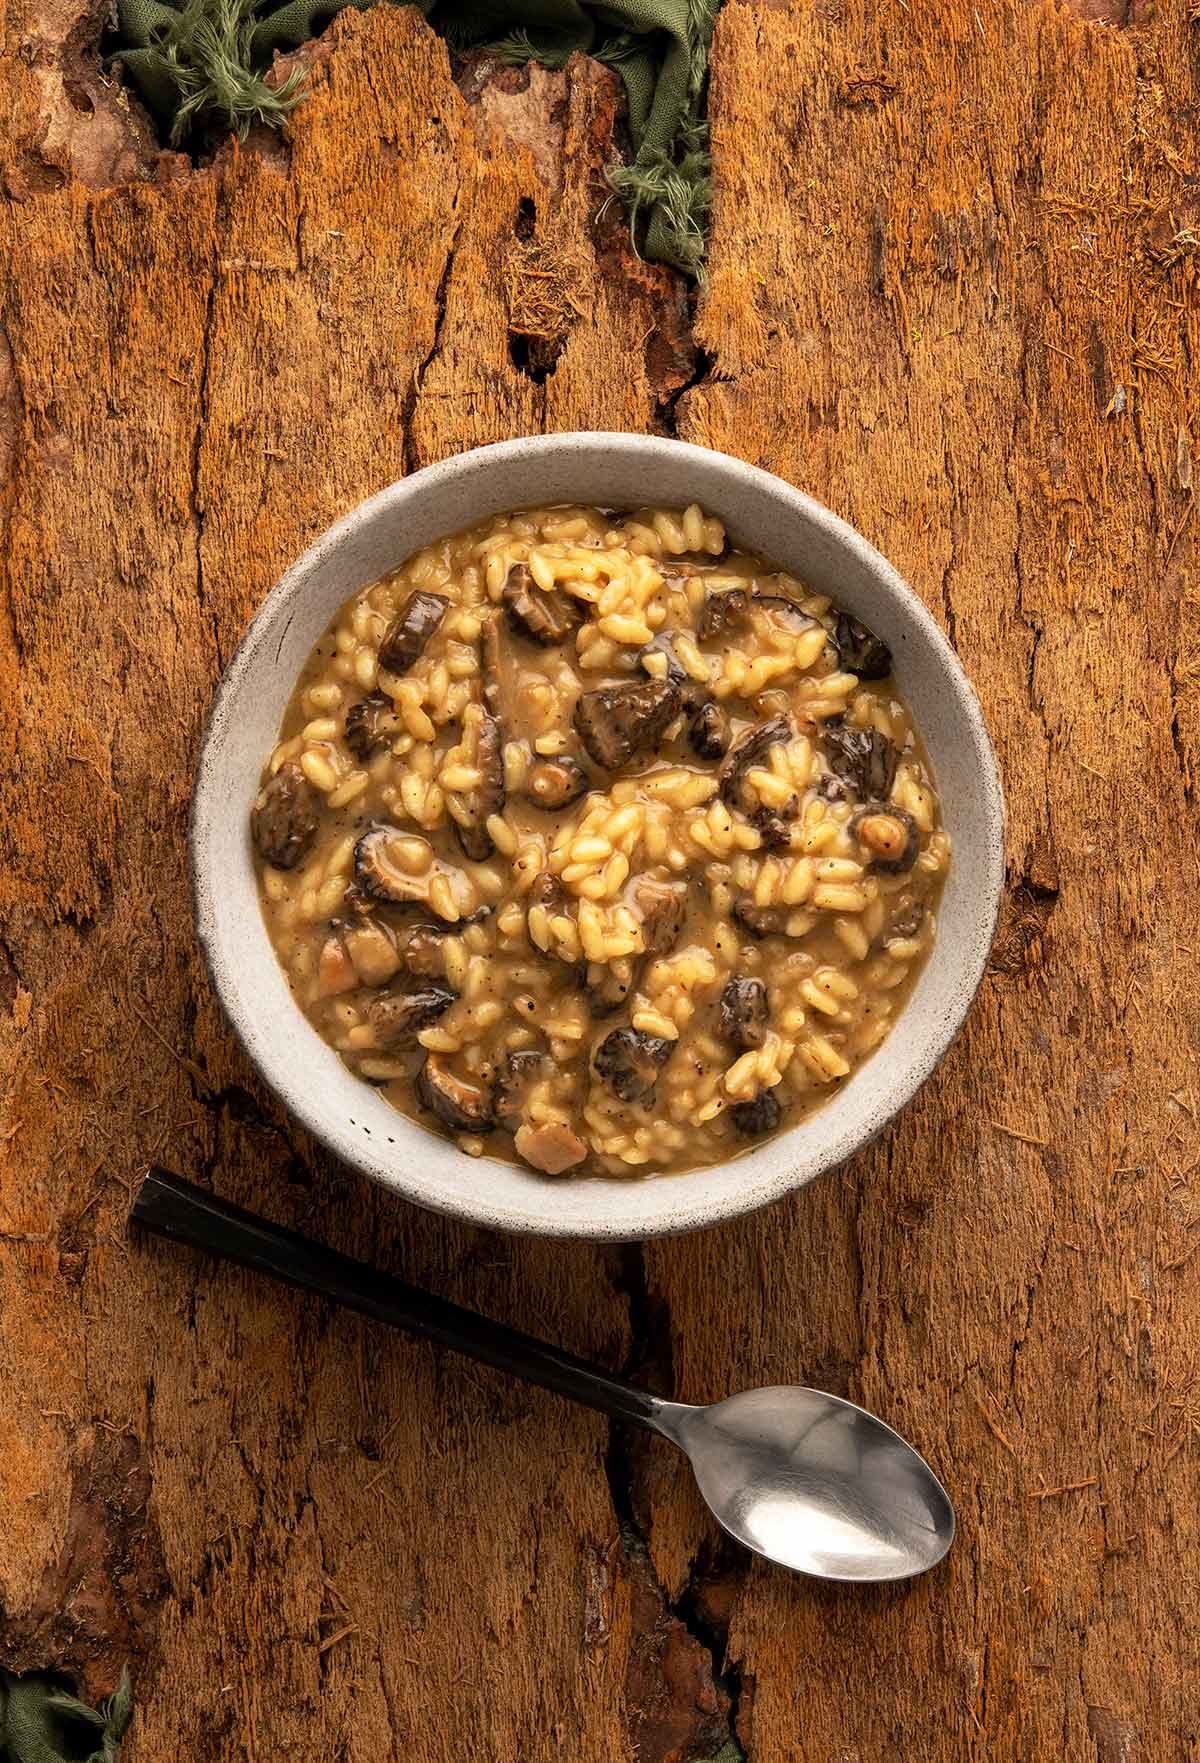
point(805, 1479)
point(814, 1483)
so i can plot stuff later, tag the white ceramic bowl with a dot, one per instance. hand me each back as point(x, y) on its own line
point(621, 471)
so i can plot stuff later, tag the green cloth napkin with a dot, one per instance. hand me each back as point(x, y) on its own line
point(41, 1724)
point(202, 61)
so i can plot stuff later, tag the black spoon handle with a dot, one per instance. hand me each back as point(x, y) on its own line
point(172, 1207)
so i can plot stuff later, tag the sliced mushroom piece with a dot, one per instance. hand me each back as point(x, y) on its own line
point(377, 874)
point(762, 921)
point(686, 563)
point(517, 1074)
point(421, 949)
point(551, 1146)
point(370, 724)
point(889, 835)
point(411, 630)
point(862, 758)
point(549, 892)
point(708, 734)
point(722, 613)
point(556, 783)
point(772, 823)
point(545, 618)
point(908, 920)
point(708, 726)
point(283, 821)
point(615, 722)
point(752, 750)
point(832, 789)
point(744, 1012)
point(662, 645)
point(488, 797)
point(398, 1017)
point(629, 1062)
point(859, 650)
point(660, 906)
point(760, 1115)
point(462, 1106)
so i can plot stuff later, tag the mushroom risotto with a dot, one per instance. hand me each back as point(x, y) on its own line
point(591, 837)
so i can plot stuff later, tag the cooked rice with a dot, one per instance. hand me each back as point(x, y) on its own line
point(545, 945)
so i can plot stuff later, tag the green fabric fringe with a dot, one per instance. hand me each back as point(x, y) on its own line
point(207, 56)
point(200, 63)
point(41, 1724)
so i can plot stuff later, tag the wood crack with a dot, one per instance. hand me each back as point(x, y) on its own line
point(671, 411)
point(197, 504)
point(684, 1694)
point(412, 459)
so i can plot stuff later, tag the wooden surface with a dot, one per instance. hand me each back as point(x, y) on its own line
point(954, 295)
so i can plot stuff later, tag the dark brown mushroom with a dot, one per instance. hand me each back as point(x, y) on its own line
point(370, 724)
point(615, 722)
point(462, 1106)
point(629, 1062)
point(908, 920)
point(861, 757)
point(761, 921)
point(752, 750)
point(889, 835)
point(662, 645)
point(488, 796)
point(832, 789)
point(546, 618)
point(377, 875)
point(708, 726)
point(859, 650)
point(549, 892)
point(517, 1074)
point(708, 732)
point(722, 613)
point(556, 783)
point(660, 906)
point(744, 1012)
point(758, 1116)
point(772, 823)
point(421, 948)
point(411, 630)
point(284, 819)
point(397, 1017)
point(551, 1146)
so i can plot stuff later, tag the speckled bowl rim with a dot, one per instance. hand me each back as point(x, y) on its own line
point(600, 1210)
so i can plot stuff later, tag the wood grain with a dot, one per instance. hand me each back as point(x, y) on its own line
point(954, 295)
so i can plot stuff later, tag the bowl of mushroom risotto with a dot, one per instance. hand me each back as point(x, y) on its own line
point(593, 836)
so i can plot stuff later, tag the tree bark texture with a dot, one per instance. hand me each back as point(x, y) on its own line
point(954, 295)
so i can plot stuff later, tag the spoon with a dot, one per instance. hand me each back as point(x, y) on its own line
point(806, 1479)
